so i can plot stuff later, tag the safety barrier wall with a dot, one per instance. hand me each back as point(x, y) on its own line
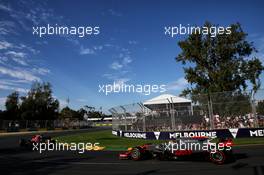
point(34, 125)
point(218, 133)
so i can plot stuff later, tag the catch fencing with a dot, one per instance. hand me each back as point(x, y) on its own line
point(222, 110)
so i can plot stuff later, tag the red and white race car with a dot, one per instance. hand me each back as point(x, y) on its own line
point(217, 152)
point(28, 143)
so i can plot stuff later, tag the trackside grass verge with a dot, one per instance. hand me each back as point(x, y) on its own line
point(105, 138)
point(112, 142)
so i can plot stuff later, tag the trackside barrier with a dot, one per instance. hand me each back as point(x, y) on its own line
point(219, 133)
point(34, 125)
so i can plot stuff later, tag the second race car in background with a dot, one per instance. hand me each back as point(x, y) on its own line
point(36, 139)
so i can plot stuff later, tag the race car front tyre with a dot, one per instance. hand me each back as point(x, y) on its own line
point(218, 157)
point(136, 154)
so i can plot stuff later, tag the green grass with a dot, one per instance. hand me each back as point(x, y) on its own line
point(249, 141)
point(112, 142)
point(105, 138)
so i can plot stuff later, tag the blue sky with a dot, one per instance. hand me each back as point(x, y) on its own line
point(130, 48)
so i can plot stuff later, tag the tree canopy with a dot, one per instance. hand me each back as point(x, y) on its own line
point(39, 103)
point(260, 107)
point(220, 63)
point(223, 63)
point(12, 106)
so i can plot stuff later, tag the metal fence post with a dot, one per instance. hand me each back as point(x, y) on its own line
point(210, 111)
point(124, 115)
point(173, 115)
point(143, 116)
point(115, 125)
point(254, 111)
point(144, 123)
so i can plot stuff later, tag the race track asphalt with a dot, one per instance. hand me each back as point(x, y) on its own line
point(249, 160)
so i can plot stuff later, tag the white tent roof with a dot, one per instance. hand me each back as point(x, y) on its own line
point(163, 99)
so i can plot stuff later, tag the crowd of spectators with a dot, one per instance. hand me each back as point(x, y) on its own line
point(219, 122)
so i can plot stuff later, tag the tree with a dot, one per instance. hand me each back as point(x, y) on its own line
point(231, 103)
point(95, 114)
point(219, 63)
point(260, 107)
point(12, 106)
point(81, 113)
point(89, 108)
point(1, 115)
point(68, 113)
point(39, 103)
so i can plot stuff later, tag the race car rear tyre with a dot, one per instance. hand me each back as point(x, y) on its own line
point(218, 157)
point(136, 154)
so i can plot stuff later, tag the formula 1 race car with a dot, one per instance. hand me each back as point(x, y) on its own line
point(218, 152)
point(36, 139)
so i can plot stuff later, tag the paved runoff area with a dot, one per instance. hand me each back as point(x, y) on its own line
point(13, 160)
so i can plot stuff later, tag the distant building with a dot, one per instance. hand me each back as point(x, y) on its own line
point(167, 102)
